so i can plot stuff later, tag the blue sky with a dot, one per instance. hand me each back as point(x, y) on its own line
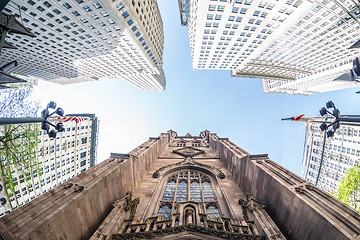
point(194, 101)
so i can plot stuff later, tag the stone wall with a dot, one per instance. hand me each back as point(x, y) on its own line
point(75, 209)
point(300, 210)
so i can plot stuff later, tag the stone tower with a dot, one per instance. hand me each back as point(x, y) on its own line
point(184, 187)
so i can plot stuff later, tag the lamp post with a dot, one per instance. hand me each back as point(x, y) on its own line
point(335, 115)
point(337, 118)
point(45, 124)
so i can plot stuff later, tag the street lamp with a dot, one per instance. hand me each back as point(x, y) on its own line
point(335, 115)
point(45, 124)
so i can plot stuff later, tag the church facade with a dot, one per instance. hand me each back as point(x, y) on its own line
point(184, 187)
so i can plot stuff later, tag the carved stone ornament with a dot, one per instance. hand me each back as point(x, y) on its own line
point(251, 203)
point(188, 228)
point(131, 204)
point(78, 188)
point(190, 161)
point(188, 152)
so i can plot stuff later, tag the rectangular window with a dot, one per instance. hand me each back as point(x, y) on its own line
point(248, 2)
point(66, 5)
point(47, 4)
point(218, 17)
point(119, 6)
point(134, 28)
point(82, 163)
point(211, 7)
point(87, 8)
point(210, 16)
point(97, 5)
point(129, 22)
point(83, 154)
point(125, 14)
point(221, 8)
point(137, 34)
point(235, 10)
point(31, 2)
point(231, 18)
point(76, 13)
point(41, 9)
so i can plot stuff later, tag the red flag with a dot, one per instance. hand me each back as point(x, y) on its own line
point(293, 118)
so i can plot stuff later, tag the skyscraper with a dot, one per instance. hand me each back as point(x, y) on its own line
point(294, 46)
point(80, 41)
point(33, 172)
point(184, 187)
point(326, 160)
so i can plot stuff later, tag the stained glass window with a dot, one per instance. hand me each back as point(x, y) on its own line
point(181, 195)
point(164, 211)
point(169, 191)
point(212, 211)
point(186, 186)
point(207, 191)
point(195, 192)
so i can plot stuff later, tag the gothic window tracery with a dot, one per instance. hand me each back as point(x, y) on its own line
point(212, 210)
point(189, 185)
point(165, 210)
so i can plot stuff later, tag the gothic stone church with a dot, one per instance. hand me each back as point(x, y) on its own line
point(184, 187)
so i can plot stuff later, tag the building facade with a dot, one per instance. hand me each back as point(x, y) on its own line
point(80, 41)
point(294, 46)
point(184, 187)
point(51, 162)
point(326, 160)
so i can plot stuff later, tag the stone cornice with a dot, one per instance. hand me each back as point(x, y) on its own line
point(184, 228)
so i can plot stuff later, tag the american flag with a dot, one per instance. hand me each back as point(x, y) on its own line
point(68, 119)
point(293, 118)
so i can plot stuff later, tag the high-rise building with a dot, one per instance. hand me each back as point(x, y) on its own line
point(184, 187)
point(326, 160)
point(50, 163)
point(80, 41)
point(294, 46)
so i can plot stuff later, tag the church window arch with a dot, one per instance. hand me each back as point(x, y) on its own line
point(188, 186)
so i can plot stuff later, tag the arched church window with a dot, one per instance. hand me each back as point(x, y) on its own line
point(188, 185)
